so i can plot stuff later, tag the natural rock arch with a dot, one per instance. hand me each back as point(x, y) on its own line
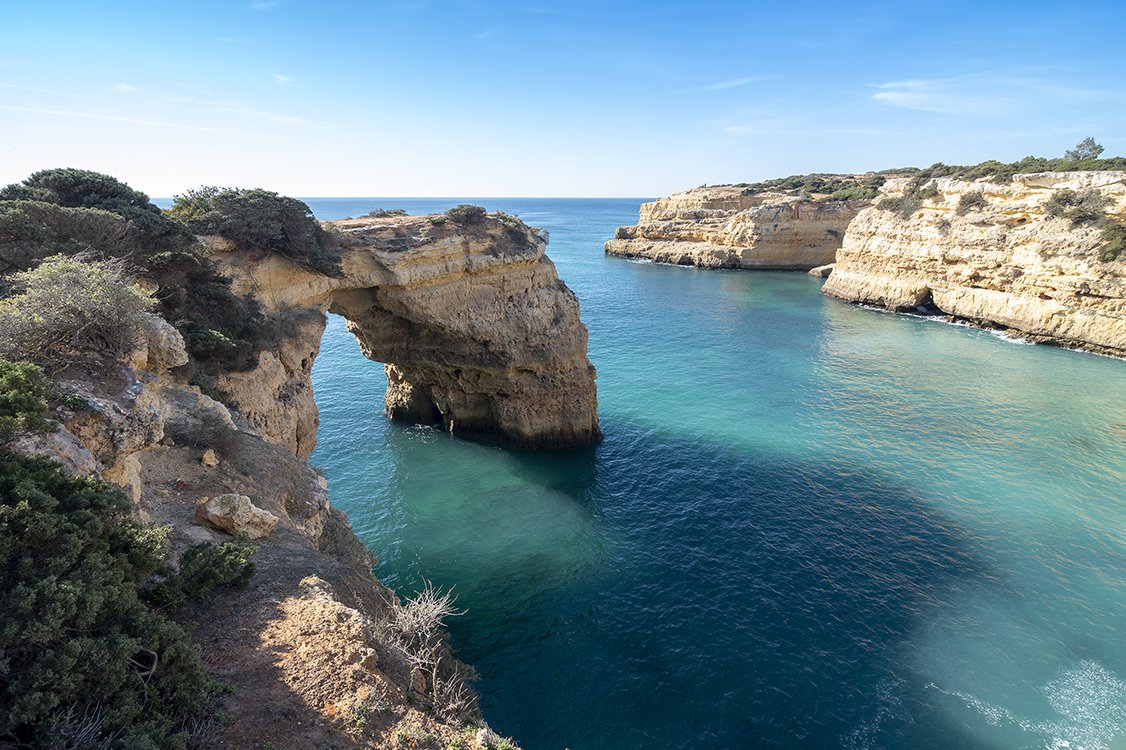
point(474, 327)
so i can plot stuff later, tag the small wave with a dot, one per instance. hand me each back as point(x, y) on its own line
point(889, 705)
point(1090, 702)
point(944, 319)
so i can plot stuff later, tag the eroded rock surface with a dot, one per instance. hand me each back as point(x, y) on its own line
point(731, 227)
point(474, 326)
point(1008, 263)
point(305, 647)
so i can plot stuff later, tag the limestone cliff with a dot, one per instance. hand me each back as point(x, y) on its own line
point(1006, 262)
point(736, 227)
point(475, 328)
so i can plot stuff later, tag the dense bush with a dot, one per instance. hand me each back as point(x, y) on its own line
point(68, 307)
point(1088, 207)
point(72, 212)
point(1114, 242)
point(23, 401)
point(835, 186)
point(905, 205)
point(80, 188)
point(466, 214)
point(1002, 173)
point(974, 201)
point(203, 568)
point(380, 213)
point(78, 647)
point(260, 220)
point(855, 192)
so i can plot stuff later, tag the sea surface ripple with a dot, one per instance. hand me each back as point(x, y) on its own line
point(810, 524)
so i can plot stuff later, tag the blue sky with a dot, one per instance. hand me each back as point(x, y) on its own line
point(541, 98)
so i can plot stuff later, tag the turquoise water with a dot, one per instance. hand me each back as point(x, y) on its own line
point(810, 524)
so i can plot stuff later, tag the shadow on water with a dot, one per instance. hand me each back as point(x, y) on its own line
point(714, 598)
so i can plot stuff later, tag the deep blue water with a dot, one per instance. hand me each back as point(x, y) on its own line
point(810, 524)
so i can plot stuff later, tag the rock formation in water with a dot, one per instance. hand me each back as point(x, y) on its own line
point(1004, 256)
point(737, 227)
point(475, 328)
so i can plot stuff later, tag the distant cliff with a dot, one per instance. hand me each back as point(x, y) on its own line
point(738, 227)
point(1035, 255)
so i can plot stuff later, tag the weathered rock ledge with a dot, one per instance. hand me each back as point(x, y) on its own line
point(732, 227)
point(475, 328)
point(1007, 264)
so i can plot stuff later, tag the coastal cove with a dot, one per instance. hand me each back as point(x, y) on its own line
point(810, 524)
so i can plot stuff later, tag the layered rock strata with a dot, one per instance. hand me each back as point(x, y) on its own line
point(732, 227)
point(475, 328)
point(1006, 262)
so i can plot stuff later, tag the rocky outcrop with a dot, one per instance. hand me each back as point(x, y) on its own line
point(475, 328)
point(1006, 262)
point(733, 227)
point(304, 648)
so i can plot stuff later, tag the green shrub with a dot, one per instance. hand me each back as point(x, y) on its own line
point(68, 307)
point(466, 214)
point(260, 220)
point(23, 401)
point(74, 212)
point(75, 638)
point(1114, 242)
point(974, 201)
point(905, 205)
point(1087, 207)
point(203, 568)
point(80, 188)
point(380, 213)
point(930, 192)
point(854, 192)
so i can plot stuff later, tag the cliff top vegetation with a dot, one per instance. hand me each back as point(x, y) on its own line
point(1083, 158)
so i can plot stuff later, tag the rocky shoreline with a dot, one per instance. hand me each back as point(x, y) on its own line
point(1004, 254)
point(1008, 262)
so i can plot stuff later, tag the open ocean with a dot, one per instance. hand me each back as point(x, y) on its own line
point(811, 525)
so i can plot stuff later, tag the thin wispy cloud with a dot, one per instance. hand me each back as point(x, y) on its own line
point(486, 33)
point(125, 88)
point(979, 94)
point(734, 83)
point(113, 118)
point(262, 5)
point(281, 80)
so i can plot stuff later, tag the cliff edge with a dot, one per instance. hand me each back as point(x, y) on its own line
point(737, 227)
point(476, 330)
point(1028, 255)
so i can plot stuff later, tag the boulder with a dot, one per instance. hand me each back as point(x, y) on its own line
point(235, 514)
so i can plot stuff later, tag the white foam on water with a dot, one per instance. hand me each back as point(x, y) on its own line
point(1090, 703)
point(889, 705)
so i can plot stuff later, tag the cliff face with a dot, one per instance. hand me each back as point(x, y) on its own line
point(305, 647)
point(475, 328)
point(725, 227)
point(1008, 263)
